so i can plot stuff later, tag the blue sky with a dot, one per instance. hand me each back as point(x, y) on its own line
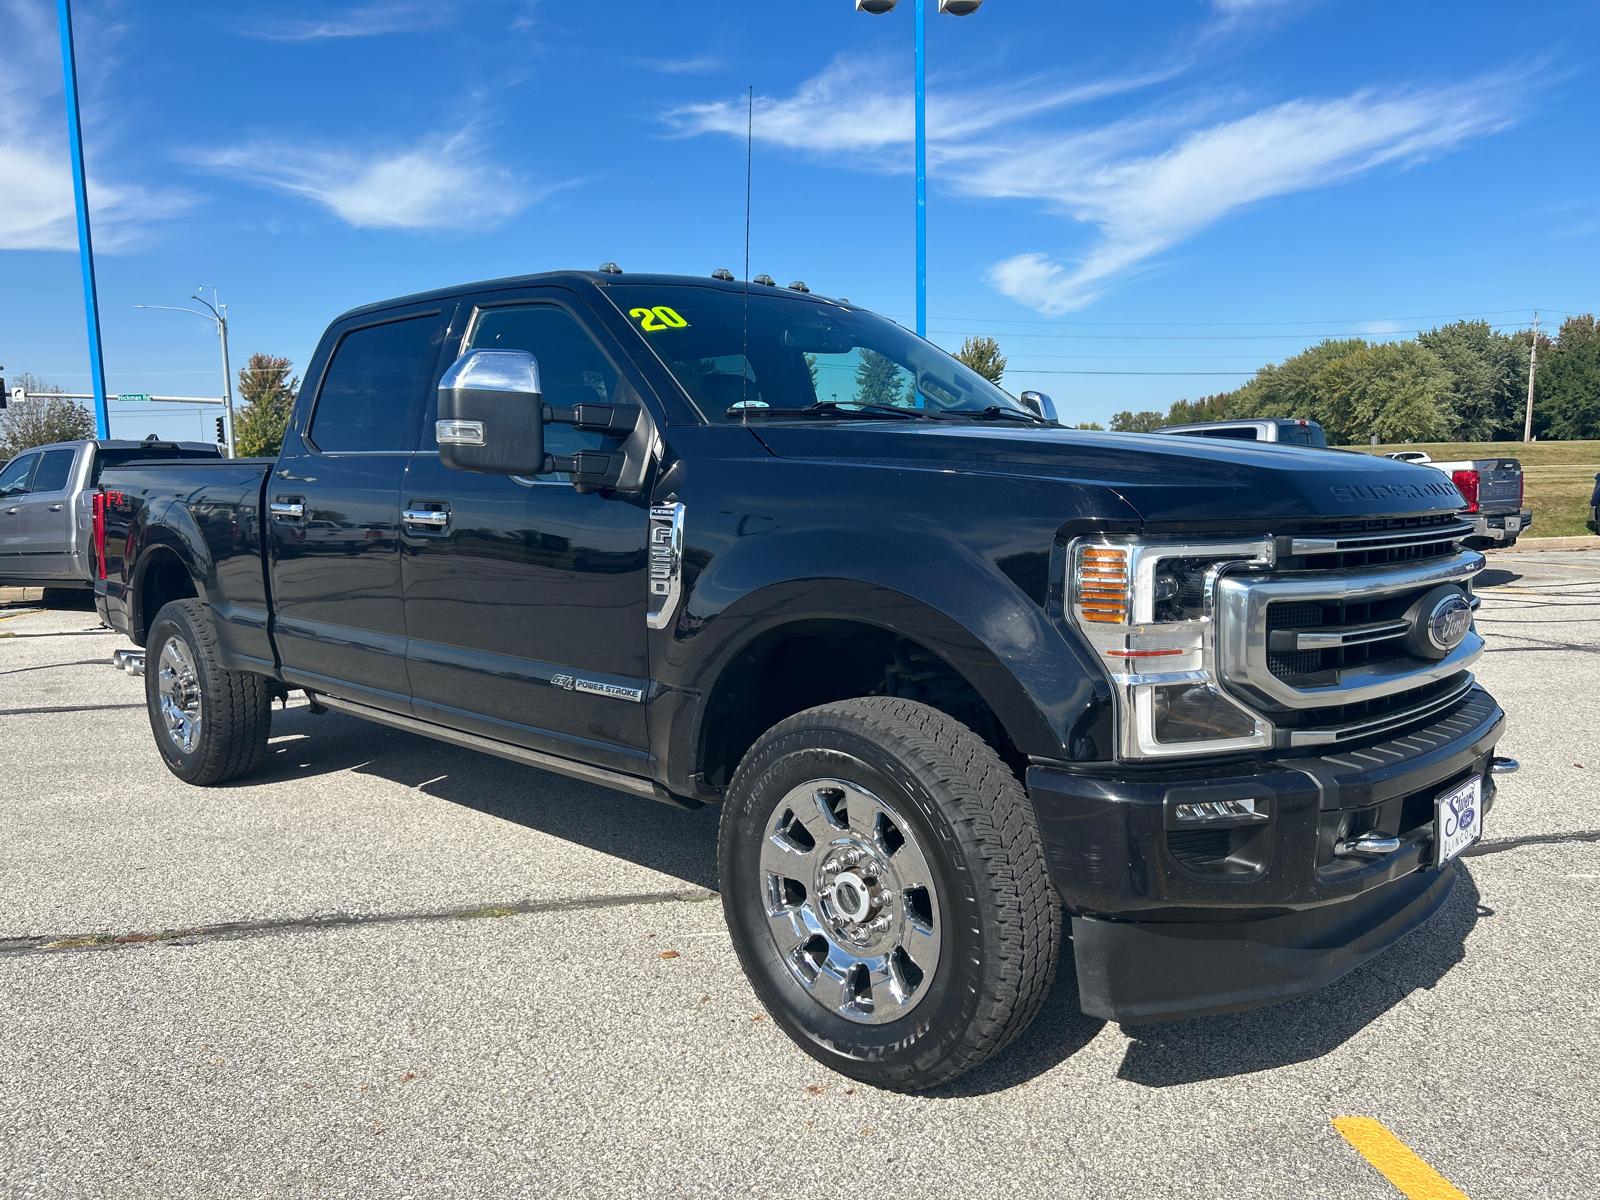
point(1167, 194)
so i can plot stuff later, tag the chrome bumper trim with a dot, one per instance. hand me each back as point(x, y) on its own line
point(1354, 729)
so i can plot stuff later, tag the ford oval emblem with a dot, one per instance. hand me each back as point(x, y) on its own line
point(1449, 621)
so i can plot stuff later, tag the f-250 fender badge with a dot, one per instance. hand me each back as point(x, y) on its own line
point(666, 564)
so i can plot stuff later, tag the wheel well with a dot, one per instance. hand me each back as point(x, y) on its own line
point(800, 666)
point(163, 579)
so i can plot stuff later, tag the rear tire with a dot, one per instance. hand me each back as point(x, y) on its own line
point(210, 725)
point(884, 883)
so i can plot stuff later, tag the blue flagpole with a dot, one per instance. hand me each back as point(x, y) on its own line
point(91, 299)
point(922, 172)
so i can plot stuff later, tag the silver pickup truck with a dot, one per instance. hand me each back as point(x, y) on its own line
point(1492, 488)
point(46, 507)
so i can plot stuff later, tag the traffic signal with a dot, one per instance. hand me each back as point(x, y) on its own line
point(221, 438)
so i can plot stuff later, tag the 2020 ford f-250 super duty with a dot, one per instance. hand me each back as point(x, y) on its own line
point(958, 676)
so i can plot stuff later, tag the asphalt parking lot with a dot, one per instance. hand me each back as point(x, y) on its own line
point(384, 967)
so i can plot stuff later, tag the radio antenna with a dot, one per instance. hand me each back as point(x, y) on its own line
point(749, 155)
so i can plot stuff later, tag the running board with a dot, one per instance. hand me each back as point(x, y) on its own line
point(632, 784)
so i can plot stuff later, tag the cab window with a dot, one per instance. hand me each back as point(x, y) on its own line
point(55, 469)
point(572, 368)
point(14, 479)
point(370, 387)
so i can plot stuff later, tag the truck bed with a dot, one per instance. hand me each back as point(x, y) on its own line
point(204, 517)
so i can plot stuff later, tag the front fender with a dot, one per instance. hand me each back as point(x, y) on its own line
point(971, 592)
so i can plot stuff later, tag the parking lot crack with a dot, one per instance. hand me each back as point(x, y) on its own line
point(1534, 839)
point(62, 943)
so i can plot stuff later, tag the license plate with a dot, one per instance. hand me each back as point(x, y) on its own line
point(1457, 820)
point(1513, 524)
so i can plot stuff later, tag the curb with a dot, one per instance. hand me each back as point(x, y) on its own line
point(1524, 545)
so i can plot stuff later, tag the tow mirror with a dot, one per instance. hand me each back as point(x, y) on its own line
point(491, 414)
point(1039, 404)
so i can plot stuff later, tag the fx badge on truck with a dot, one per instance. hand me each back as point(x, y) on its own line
point(666, 564)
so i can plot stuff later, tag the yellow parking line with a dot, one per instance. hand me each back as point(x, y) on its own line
point(30, 613)
point(1395, 1160)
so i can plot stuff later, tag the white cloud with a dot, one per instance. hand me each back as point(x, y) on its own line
point(1144, 203)
point(37, 211)
point(442, 183)
point(859, 106)
point(705, 64)
point(369, 20)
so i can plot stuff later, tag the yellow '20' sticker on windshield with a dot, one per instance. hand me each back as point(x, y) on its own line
point(660, 317)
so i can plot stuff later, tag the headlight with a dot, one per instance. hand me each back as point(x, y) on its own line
point(1145, 608)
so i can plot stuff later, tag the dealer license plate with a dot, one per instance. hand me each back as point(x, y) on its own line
point(1513, 524)
point(1457, 820)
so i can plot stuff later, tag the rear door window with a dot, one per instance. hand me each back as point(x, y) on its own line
point(55, 469)
point(1236, 434)
point(371, 388)
point(14, 479)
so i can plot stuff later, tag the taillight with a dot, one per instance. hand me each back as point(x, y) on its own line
point(100, 534)
point(1467, 484)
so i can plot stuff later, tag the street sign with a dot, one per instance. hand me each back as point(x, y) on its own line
point(134, 396)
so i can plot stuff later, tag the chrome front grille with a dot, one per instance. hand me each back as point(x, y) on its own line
point(1322, 653)
point(1339, 545)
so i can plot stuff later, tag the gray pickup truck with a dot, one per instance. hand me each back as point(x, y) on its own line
point(46, 507)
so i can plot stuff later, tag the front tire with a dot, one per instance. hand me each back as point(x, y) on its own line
point(885, 887)
point(211, 725)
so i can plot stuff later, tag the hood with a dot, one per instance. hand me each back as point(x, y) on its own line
point(1164, 478)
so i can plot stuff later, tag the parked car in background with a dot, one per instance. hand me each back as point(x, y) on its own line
point(1492, 488)
point(1410, 456)
point(46, 507)
point(1288, 431)
point(1594, 507)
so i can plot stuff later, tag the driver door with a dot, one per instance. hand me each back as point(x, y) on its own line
point(525, 608)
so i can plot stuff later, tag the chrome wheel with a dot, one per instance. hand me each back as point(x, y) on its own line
point(179, 687)
point(850, 901)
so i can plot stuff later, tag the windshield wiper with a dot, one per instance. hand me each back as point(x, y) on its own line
point(833, 408)
point(996, 413)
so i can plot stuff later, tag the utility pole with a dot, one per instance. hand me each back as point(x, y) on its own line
point(221, 311)
point(1533, 369)
point(80, 192)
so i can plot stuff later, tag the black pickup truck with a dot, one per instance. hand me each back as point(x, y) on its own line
point(964, 682)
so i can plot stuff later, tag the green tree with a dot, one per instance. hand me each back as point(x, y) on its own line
point(1089, 425)
point(1566, 403)
point(983, 355)
point(1136, 422)
point(41, 419)
point(879, 380)
point(1192, 412)
point(268, 395)
point(1488, 379)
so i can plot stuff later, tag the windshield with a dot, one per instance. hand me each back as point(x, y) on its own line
point(796, 354)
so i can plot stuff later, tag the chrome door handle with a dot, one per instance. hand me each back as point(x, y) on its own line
point(287, 508)
point(434, 520)
point(55, 508)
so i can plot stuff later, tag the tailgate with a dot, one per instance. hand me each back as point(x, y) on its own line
point(1499, 485)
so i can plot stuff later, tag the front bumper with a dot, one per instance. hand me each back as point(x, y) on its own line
point(1173, 922)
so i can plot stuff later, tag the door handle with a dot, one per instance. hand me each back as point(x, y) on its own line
point(428, 520)
point(55, 508)
point(289, 510)
point(11, 512)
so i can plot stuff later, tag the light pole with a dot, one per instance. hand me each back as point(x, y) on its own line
point(80, 193)
point(954, 8)
point(219, 317)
